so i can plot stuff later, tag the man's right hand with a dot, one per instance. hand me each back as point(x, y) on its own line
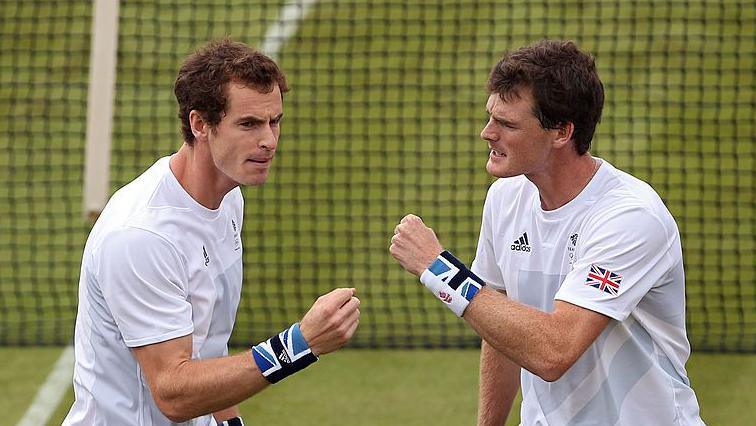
point(331, 321)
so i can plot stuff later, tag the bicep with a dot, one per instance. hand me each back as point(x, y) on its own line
point(580, 326)
point(162, 358)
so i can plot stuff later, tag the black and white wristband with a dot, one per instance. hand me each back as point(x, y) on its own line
point(234, 421)
point(283, 354)
point(451, 281)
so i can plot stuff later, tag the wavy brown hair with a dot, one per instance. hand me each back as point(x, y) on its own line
point(564, 83)
point(204, 76)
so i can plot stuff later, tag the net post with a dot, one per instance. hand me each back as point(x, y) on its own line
point(102, 71)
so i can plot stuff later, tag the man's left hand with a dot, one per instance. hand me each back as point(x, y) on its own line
point(414, 245)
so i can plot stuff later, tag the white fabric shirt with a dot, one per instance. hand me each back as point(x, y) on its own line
point(614, 249)
point(157, 265)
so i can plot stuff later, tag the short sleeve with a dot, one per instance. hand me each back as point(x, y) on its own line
point(621, 255)
point(485, 265)
point(143, 282)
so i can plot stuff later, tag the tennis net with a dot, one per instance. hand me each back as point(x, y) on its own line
point(383, 119)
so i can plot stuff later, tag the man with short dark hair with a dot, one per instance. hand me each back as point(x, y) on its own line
point(578, 281)
point(161, 273)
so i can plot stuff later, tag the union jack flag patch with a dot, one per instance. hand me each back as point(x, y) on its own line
point(604, 280)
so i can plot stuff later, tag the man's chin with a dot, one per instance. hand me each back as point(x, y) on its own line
point(497, 171)
point(257, 180)
point(501, 172)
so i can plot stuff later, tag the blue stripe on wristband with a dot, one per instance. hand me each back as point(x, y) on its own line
point(463, 276)
point(451, 281)
point(283, 354)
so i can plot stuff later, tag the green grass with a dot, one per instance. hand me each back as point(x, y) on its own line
point(24, 370)
point(386, 104)
point(382, 387)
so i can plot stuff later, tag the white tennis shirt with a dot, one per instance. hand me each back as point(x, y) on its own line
point(614, 249)
point(157, 265)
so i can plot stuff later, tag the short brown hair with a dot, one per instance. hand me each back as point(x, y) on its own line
point(564, 83)
point(204, 76)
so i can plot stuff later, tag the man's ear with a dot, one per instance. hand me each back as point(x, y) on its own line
point(199, 126)
point(564, 134)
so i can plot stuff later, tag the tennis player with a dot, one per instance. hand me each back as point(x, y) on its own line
point(162, 269)
point(577, 286)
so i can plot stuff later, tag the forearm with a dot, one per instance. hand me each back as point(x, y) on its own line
point(184, 388)
point(538, 341)
point(546, 344)
point(499, 382)
point(197, 387)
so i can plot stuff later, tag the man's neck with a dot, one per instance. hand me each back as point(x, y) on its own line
point(564, 179)
point(195, 171)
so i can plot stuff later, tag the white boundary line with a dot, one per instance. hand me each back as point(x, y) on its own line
point(52, 391)
point(288, 21)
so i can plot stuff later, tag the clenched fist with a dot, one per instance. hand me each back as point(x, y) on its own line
point(414, 245)
point(331, 321)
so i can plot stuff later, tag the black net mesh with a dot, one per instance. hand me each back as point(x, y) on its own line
point(383, 119)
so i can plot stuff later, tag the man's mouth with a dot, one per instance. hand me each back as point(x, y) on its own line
point(495, 153)
point(263, 160)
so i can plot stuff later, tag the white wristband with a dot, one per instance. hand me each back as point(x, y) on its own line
point(451, 282)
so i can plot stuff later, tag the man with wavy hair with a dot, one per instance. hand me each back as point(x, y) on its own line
point(161, 274)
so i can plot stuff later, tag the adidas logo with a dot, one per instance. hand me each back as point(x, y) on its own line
point(284, 357)
point(573, 239)
point(521, 244)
